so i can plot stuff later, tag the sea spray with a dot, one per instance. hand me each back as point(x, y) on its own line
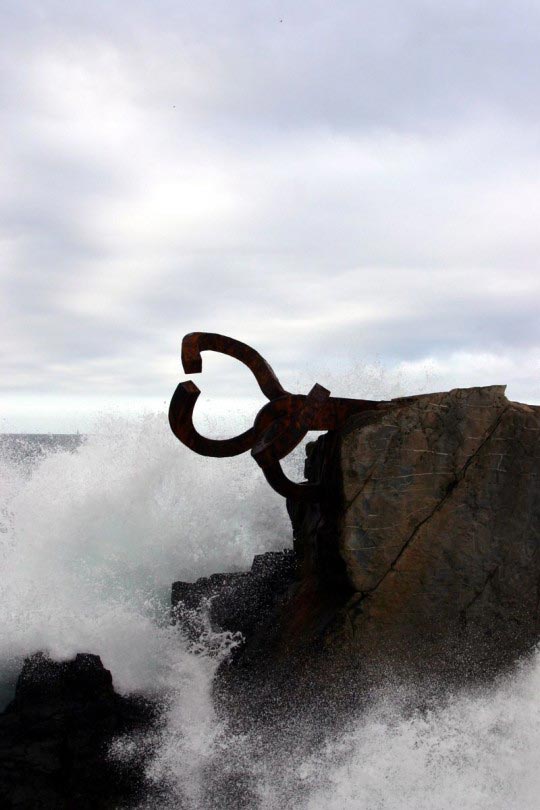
point(93, 539)
point(478, 751)
point(474, 750)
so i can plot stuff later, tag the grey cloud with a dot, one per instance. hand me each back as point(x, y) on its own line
point(378, 166)
point(345, 64)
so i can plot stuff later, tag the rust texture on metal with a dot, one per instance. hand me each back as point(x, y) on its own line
point(279, 426)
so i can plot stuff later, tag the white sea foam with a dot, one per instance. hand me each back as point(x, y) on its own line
point(475, 751)
point(92, 541)
point(479, 752)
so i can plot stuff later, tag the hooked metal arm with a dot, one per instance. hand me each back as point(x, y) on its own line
point(279, 426)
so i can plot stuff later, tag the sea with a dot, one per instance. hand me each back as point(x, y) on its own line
point(93, 531)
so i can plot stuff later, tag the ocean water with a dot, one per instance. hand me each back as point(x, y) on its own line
point(93, 531)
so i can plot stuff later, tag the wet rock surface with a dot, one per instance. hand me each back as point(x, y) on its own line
point(238, 602)
point(56, 733)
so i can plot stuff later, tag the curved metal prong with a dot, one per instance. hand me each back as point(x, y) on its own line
point(290, 489)
point(197, 342)
point(181, 422)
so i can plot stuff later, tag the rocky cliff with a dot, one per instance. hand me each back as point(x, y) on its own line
point(423, 554)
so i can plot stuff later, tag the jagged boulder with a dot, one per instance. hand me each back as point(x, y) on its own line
point(55, 737)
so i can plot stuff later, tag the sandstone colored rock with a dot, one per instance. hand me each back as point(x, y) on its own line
point(435, 513)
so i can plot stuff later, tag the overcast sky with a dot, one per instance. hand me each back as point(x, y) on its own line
point(337, 183)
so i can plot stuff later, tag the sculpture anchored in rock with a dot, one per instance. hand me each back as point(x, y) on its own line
point(279, 426)
point(420, 558)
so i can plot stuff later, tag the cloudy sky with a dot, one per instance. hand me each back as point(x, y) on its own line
point(340, 184)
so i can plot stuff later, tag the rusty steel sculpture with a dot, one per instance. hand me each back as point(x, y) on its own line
point(279, 426)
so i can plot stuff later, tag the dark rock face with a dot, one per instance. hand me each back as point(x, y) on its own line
point(54, 737)
point(249, 603)
point(238, 602)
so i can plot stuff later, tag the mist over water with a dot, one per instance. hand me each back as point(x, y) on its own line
point(91, 539)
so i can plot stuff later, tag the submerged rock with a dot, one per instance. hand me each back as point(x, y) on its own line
point(56, 733)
